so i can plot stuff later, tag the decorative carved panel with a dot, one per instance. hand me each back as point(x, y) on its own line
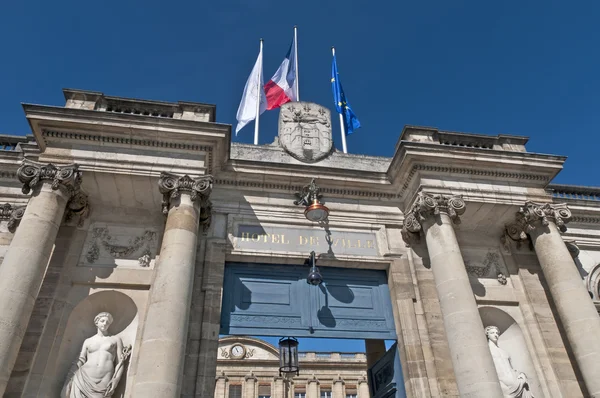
point(109, 245)
point(485, 264)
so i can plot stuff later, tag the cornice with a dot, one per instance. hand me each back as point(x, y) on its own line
point(470, 171)
point(156, 143)
point(535, 168)
point(55, 125)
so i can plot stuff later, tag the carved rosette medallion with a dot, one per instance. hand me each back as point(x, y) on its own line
point(13, 214)
point(305, 131)
point(529, 214)
point(428, 205)
point(66, 178)
point(171, 186)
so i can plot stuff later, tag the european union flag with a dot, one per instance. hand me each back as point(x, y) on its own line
point(341, 103)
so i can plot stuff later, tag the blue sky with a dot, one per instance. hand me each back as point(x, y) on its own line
point(527, 68)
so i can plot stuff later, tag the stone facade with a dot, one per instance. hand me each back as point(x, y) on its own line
point(252, 366)
point(134, 208)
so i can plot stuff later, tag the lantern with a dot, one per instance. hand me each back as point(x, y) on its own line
point(288, 356)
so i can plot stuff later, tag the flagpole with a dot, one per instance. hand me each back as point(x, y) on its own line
point(258, 96)
point(342, 127)
point(296, 62)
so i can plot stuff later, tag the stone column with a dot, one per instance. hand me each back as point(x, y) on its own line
point(249, 386)
point(312, 388)
point(337, 389)
point(278, 388)
point(363, 389)
point(471, 358)
point(575, 309)
point(162, 349)
point(24, 265)
point(220, 386)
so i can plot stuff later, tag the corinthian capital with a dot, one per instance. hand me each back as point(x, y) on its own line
point(428, 205)
point(66, 178)
point(13, 214)
point(529, 214)
point(171, 186)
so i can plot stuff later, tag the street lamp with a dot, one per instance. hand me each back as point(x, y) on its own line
point(288, 356)
point(314, 276)
point(309, 197)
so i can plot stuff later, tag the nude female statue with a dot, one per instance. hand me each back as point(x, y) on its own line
point(100, 364)
point(514, 383)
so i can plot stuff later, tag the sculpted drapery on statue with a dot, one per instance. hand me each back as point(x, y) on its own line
point(514, 383)
point(100, 364)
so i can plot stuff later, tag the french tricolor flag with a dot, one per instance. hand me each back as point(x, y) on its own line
point(282, 87)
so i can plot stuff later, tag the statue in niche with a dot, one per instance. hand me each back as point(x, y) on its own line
point(100, 364)
point(514, 383)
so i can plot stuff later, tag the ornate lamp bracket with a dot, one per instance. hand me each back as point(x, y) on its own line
point(309, 197)
point(308, 194)
point(171, 186)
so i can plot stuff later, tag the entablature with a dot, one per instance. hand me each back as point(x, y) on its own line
point(127, 143)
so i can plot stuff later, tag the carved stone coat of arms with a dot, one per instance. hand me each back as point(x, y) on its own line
point(305, 131)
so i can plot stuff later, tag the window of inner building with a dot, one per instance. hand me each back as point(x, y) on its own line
point(351, 392)
point(264, 391)
point(326, 393)
point(299, 392)
point(235, 391)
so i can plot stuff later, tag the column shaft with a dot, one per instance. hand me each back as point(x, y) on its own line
point(162, 350)
point(23, 269)
point(312, 389)
point(220, 387)
point(575, 309)
point(278, 388)
point(337, 389)
point(471, 359)
point(363, 389)
point(249, 387)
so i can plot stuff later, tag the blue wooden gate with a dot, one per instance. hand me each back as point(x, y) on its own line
point(275, 300)
point(385, 377)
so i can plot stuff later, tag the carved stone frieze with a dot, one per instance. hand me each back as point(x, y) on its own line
point(171, 186)
point(533, 212)
point(66, 178)
point(13, 214)
point(112, 245)
point(428, 205)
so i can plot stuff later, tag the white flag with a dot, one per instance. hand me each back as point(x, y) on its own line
point(254, 87)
